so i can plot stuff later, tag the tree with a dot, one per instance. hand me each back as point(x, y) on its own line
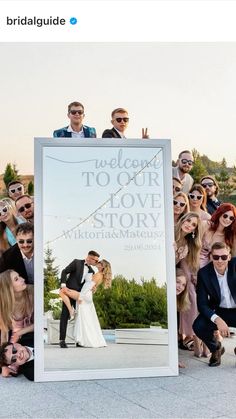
point(51, 280)
point(11, 173)
point(198, 169)
point(31, 188)
point(226, 186)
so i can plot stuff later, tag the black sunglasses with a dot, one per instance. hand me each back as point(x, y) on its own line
point(228, 216)
point(14, 352)
point(19, 188)
point(28, 241)
point(180, 204)
point(74, 112)
point(204, 185)
point(125, 119)
point(3, 211)
point(177, 189)
point(186, 161)
point(217, 257)
point(26, 206)
point(194, 197)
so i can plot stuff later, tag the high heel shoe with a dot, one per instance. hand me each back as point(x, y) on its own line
point(72, 316)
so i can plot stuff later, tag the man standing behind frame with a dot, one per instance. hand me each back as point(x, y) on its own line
point(120, 122)
point(77, 271)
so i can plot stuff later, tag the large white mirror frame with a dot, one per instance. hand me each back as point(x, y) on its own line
point(172, 367)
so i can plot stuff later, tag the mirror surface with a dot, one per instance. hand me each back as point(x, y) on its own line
point(110, 199)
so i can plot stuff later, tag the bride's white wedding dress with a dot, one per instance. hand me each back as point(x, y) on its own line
point(87, 330)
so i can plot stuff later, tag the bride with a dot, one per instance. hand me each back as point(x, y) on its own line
point(87, 330)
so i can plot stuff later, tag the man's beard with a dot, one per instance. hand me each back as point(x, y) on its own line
point(184, 169)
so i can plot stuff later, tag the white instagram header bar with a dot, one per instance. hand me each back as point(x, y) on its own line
point(118, 21)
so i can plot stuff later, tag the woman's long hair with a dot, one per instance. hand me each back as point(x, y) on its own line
point(183, 302)
point(107, 274)
point(230, 231)
point(193, 241)
point(199, 188)
point(8, 301)
point(184, 196)
point(4, 245)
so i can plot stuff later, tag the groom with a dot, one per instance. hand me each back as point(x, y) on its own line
point(76, 271)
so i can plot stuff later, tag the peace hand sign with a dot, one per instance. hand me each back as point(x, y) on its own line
point(145, 133)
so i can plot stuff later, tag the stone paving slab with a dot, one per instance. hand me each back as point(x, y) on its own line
point(199, 391)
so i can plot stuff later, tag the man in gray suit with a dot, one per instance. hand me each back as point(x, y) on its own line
point(76, 272)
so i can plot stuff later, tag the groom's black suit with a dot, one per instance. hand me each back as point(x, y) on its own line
point(209, 299)
point(74, 281)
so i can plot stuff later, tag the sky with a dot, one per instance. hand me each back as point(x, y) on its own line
point(111, 202)
point(181, 91)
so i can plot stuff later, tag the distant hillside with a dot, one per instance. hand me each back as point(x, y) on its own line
point(25, 179)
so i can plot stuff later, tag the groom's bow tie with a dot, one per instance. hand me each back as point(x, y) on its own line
point(86, 265)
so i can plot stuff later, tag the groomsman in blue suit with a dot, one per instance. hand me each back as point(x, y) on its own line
point(216, 300)
point(76, 129)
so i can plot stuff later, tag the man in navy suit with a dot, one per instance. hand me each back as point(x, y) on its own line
point(216, 299)
point(76, 129)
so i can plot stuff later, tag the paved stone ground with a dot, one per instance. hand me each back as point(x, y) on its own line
point(198, 392)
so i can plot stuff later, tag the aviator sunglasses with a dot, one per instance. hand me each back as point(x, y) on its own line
point(228, 216)
point(74, 112)
point(28, 241)
point(210, 184)
point(26, 206)
point(186, 161)
point(125, 119)
point(14, 352)
point(217, 257)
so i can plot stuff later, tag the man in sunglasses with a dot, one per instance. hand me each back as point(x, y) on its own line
point(211, 187)
point(181, 171)
point(20, 355)
point(76, 129)
point(25, 207)
point(120, 122)
point(15, 189)
point(20, 257)
point(216, 299)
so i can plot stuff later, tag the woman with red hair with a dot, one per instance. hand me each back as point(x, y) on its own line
point(221, 228)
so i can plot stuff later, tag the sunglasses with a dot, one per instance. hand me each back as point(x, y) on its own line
point(74, 112)
point(204, 185)
point(14, 352)
point(195, 197)
point(217, 257)
point(228, 216)
point(125, 119)
point(3, 211)
point(176, 189)
point(186, 161)
point(19, 189)
point(179, 204)
point(26, 206)
point(28, 241)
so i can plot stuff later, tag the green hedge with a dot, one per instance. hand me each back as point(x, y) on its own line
point(130, 302)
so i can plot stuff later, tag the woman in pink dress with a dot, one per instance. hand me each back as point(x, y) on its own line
point(187, 250)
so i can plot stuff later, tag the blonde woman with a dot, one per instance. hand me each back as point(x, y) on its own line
point(180, 206)
point(87, 330)
point(8, 224)
point(188, 245)
point(16, 309)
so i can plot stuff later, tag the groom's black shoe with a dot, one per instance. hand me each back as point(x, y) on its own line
point(63, 344)
point(215, 359)
point(78, 345)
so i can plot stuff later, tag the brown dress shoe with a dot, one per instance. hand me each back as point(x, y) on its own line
point(215, 359)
